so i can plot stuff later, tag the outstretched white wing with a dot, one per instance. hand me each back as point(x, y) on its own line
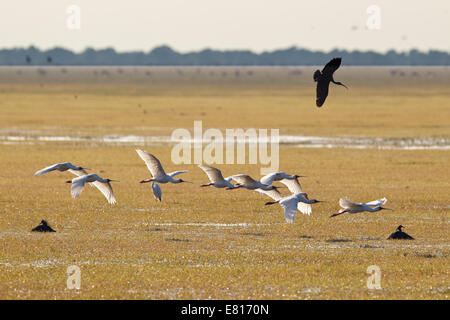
point(274, 193)
point(78, 173)
point(213, 174)
point(106, 189)
point(175, 173)
point(77, 186)
point(153, 164)
point(302, 205)
point(244, 179)
point(304, 208)
point(293, 185)
point(289, 205)
point(48, 169)
point(157, 193)
point(269, 179)
point(348, 204)
point(376, 203)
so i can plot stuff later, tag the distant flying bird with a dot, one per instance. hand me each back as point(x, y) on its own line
point(156, 189)
point(216, 178)
point(247, 182)
point(399, 234)
point(290, 181)
point(324, 78)
point(290, 204)
point(79, 171)
point(101, 184)
point(157, 171)
point(43, 227)
point(352, 207)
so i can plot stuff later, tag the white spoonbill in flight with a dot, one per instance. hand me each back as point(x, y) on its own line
point(216, 178)
point(101, 184)
point(290, 204)
point(79, 171)
point(157, 171)
point(349, 206)
point(290, 181)
point(247, 182)
point(281, 176)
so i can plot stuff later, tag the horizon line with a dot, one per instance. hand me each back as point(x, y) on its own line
point(222, 50)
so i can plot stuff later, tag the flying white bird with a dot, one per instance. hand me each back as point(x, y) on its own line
point(247, 182)
point(290, 181)
point(216, 178)
point(157, 171)
point(283, 178)
point(156, 191)
point(79, 171)
point(101, 184)
point(349, 206)
point(290, 204)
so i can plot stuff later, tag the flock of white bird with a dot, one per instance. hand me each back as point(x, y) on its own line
point(297, 200)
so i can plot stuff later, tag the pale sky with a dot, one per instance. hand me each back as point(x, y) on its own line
point(257, 25)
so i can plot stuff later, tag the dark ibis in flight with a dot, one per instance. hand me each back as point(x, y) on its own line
point(324, 78)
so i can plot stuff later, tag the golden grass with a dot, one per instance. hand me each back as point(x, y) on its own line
point(141, 249)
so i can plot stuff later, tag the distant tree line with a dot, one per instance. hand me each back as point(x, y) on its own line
point(165, 56)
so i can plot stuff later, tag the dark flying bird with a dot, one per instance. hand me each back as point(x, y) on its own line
point(324, 78)
point(43, 227)
point(399, 234)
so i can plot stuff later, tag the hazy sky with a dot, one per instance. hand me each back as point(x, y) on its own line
point(257, 25)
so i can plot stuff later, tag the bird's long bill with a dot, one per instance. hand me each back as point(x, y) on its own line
point(387, 208)
point(145, 181)
point(344, 86)
point(69, 181)
point(187, 181)
point(321, 201)
point(334, 215)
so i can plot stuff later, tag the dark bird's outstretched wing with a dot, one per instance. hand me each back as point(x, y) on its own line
point(400, 235)
point(322, 91)
point(43, 227)
point(331, 67)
